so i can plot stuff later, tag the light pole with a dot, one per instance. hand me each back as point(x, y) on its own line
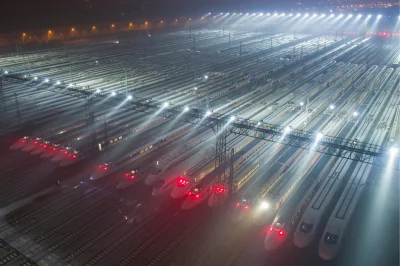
point(70, 71)
point(207, 90)
point(126, 83)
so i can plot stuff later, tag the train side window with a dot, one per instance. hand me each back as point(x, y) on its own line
point(331, 239)
point(305, 227)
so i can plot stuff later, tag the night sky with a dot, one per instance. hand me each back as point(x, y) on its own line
point(23, 15)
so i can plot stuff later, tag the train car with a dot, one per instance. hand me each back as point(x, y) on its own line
point(192, 176)
point(32, 144)
point(63, 152)
point(73, 157)
point(44, 145)
point(138, 153)
point(310, 220)
point(197, 195)
point(176, 156)
point(331, 241)
point(51, 151)
point(175, 175)
point(336, 227)
point(129, 178)
point(20, 143)
point(292, 204)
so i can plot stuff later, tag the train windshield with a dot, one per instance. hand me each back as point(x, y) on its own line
point(331, 239)
point(197, 189)
point(305, 227)
point(245, 201)
point(279, 225)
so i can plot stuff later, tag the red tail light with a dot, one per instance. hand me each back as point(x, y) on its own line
point(73, 156)
point(103, 167)
point(238, 204)
point(219, 190)
point(190, 193)
point(54, 149)
point(246, 207)
point(182, 182)
point(197, 196)
point(130, 176)
point(271, 229)
point(281, 233)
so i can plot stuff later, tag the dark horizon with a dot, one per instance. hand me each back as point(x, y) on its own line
point(24, 16)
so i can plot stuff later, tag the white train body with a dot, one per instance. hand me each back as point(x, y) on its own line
point(331, 241)
point(169, 178)
point(31, 145)
point(308, 225)
point(140, 152)
point(20, 143)
point(176, 156)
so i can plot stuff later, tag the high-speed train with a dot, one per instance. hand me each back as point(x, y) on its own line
point(176, 156)
point(290, 210)
point(129, 178)
point(198, 194)
point(51, 151)
point(245, 167)
point(174, 179)
point(110, 167)
point(44, 145)
point(308, 225)
point(20, 143)
point(31, 144)
point(202, 173)
point(331, 241)
point(253, 199)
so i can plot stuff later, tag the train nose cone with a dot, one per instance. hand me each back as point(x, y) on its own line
point(28, 147)
point(96, 175)
point(47, 155)
point(150, 179)
point(37, 151)
point(179, 192)
point(327, 252)
point(17, 145)
point(302, 240)
point(57, 158)
point(155, 192)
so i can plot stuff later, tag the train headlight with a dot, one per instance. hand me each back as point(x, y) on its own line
point(393, 151)
point(264, 205)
